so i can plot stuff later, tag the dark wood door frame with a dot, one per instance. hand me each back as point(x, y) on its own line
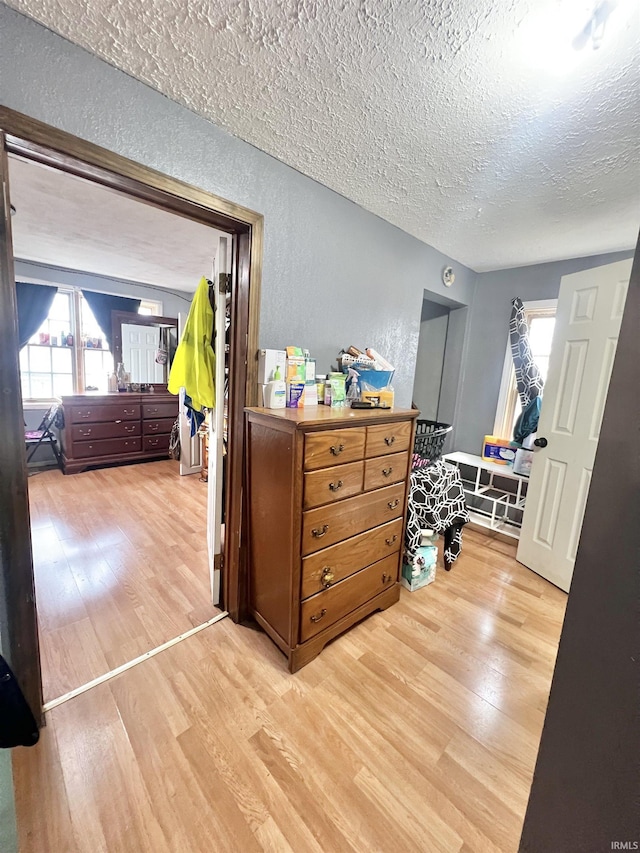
point(36, 141)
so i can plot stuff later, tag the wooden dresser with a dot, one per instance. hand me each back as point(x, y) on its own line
point(327, 493)
point(101, 429)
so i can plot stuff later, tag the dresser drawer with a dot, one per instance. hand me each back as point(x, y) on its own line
point(384, 470)
point(156, 443)
point(325, 608)
point(388, 438)
point(97, 414)
point(153, 411)
point(331, 565)
point(327, 525)
point(106, 447)
point(333, 447)
point(158, 426)
point(92, 432)
point(332, 484)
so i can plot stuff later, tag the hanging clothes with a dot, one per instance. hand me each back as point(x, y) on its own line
point(194, 364)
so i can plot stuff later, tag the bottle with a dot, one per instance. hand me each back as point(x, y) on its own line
point(353, 393)
point(275, 395)
point(121, 376)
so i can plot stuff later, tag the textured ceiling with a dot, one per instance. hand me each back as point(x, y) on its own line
point(66, 221)
point(472, 125)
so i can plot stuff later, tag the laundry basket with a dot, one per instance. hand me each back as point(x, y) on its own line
point(430, 439)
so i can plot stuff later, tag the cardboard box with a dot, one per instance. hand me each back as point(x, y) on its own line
point(268, 360)
point(422, 570)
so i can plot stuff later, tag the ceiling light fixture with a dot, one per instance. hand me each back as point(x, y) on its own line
point(593, 30)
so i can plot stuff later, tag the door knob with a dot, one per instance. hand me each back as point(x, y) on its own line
point(541, 442)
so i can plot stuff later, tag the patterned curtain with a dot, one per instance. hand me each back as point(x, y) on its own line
point(528, 378)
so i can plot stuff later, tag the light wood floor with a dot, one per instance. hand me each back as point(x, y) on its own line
point(416, 731)
point(120, 563)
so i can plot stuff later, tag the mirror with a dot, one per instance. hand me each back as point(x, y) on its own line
point(145, 344)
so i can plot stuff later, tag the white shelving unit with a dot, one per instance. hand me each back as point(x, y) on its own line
point(500, 509)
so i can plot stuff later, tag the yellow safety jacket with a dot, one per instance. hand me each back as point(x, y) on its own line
point(194, 364)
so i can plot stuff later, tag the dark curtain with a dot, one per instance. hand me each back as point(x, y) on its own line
point(528, 378)
point(34, 302)
point(102, 304)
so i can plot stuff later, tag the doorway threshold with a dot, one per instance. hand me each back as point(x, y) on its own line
point(78, 691)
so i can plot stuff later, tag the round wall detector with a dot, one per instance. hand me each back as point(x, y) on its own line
point(448, 276)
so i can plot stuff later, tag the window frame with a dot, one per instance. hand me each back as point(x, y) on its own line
point(78, 361)
point(508, 395)
point(38, 402)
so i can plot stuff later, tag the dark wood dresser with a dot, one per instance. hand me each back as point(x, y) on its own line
point(102, 429)
point(327, 496)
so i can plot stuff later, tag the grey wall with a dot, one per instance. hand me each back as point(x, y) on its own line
point(430, 359)
point(487, 333)
point(8, 838)
point(333, 274)
point(172, 300)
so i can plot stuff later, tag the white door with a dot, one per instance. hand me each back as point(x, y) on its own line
point(190, 445)
point(139, 348)
point(215, 530)
point(590, 307)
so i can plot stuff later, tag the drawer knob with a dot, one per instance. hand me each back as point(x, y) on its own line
point(391, 539)
point(318, 533)
point(85, 432)
point(335, 486)
point(336, 450)
point(318, 616)
point(386, 472)
point(393, 504)
point(389, 439)
point(386, 578)
point(128, 411)
point(85, 415)
point(326, 579)
point(129, 429)
point(154, 427)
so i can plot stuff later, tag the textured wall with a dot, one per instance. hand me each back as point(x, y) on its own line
point(487, 337)
point(333, 273)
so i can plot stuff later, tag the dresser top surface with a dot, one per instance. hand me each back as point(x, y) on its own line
point(115, 397)
point(326, 416)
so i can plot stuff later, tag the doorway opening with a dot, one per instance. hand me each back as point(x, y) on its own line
point(99, 496)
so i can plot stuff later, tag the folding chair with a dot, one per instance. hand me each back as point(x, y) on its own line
point(43, 435)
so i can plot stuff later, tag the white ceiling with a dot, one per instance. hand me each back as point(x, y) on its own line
point(68, 222)
point(472, 125)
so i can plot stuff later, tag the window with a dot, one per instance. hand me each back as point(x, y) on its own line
point(149, 306)
point(47, 361)
point(69, 353)
point(541, 319)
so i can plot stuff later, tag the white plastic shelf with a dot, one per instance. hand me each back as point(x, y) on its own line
point(502, 503)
